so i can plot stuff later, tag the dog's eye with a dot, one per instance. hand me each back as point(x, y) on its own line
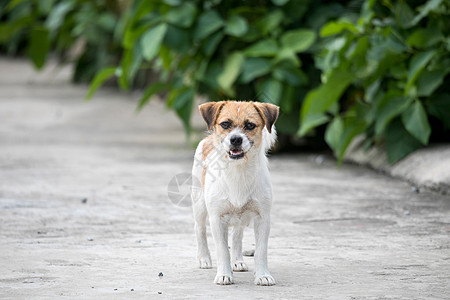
point(249, 126)
point(225, 125)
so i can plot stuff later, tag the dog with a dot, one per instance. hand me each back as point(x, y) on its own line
point(235, 185)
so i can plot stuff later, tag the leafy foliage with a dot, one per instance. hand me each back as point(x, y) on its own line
point(40, 26)
point(378, 68)
point(396, 58)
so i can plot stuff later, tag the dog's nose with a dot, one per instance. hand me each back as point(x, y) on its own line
point(236, 140)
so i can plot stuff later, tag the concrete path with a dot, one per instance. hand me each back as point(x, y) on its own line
point(85, 213)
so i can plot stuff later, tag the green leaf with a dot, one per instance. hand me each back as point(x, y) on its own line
point(236, 26)
point(418, 63)
point(399, 142)
point(270, 90)
point(292, 76)
point(404, 14)
point(287, 56)
point(207, 23)
point(333, 27)
point(416, 122)
point(319, 100)
point(290, 99)
point(424, 37)
point(8, 30)
point(57, 15)
point(255, 67)
point(270, 21)
point(177, 39)
point(425, 9)
point(173, 2)
point(266, 47)
point(182, 100)
point(183, 15)
point(298, 40)
point(151, 41)
point(149, 92)
point(310, 121)
point(231, 71)
point(429, 81)
point(211, 43)
point(39, 46)
point(334, 132)
point(340, 132)
point(99, 79)
point(280, 2)
point(132, 35)
point(390, 106)
point(124, 70)
point(439, 107)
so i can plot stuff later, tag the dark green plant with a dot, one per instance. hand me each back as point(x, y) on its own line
point(385, 74)
point(224, 49)
point(38, 27)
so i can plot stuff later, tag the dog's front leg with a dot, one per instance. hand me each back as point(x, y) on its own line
point(262, 230)
point(219, 229)
point(238, 263)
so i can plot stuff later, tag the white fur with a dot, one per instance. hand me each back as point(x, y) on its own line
point(235, 193)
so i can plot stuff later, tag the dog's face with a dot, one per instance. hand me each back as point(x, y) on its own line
point(238, 126)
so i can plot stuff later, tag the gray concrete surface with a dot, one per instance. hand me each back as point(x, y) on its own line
point(346, 233)
point(427, 168)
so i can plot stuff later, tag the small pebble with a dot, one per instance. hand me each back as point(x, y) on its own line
point(415, 189)
point(115, 289)
point(248, 252)
point(319, 159)
point(160, 274)
point(132, 290)
point(84, 200)
point(90, 239)
point(160, 293)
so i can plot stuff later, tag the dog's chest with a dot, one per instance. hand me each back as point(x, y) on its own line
point(240, 216)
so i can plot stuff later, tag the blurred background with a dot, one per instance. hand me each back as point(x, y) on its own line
point(378, 70)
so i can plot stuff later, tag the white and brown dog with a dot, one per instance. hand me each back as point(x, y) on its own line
point(236, 186)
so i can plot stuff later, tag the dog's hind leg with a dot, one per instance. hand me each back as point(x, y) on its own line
point(200, 215)
point(237, 262)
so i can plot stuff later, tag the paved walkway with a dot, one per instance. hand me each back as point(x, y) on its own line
point(84, 211)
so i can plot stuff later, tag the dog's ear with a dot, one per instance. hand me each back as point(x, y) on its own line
point(268, 112)
point(210, 111)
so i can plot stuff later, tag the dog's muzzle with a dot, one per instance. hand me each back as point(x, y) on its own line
point(236, 151)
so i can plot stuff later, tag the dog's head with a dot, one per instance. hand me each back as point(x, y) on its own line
point(238, 127)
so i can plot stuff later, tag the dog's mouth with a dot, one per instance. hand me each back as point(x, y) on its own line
point(236, 153)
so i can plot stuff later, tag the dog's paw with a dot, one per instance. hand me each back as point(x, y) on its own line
point(223, 279)
point(205, 263)
point(264, 280)
point(239, 266)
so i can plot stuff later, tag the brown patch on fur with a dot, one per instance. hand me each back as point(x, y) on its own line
point(250, 206)
point(203, 177)
point(210, 111)
point(268, 112)
point(208, 147)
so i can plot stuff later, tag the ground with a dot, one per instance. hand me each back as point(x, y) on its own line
point(85, 212)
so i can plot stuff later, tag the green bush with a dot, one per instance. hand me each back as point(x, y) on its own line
point(38, 27)
point(377, 68)
point(230, 49)
point(385, 74)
